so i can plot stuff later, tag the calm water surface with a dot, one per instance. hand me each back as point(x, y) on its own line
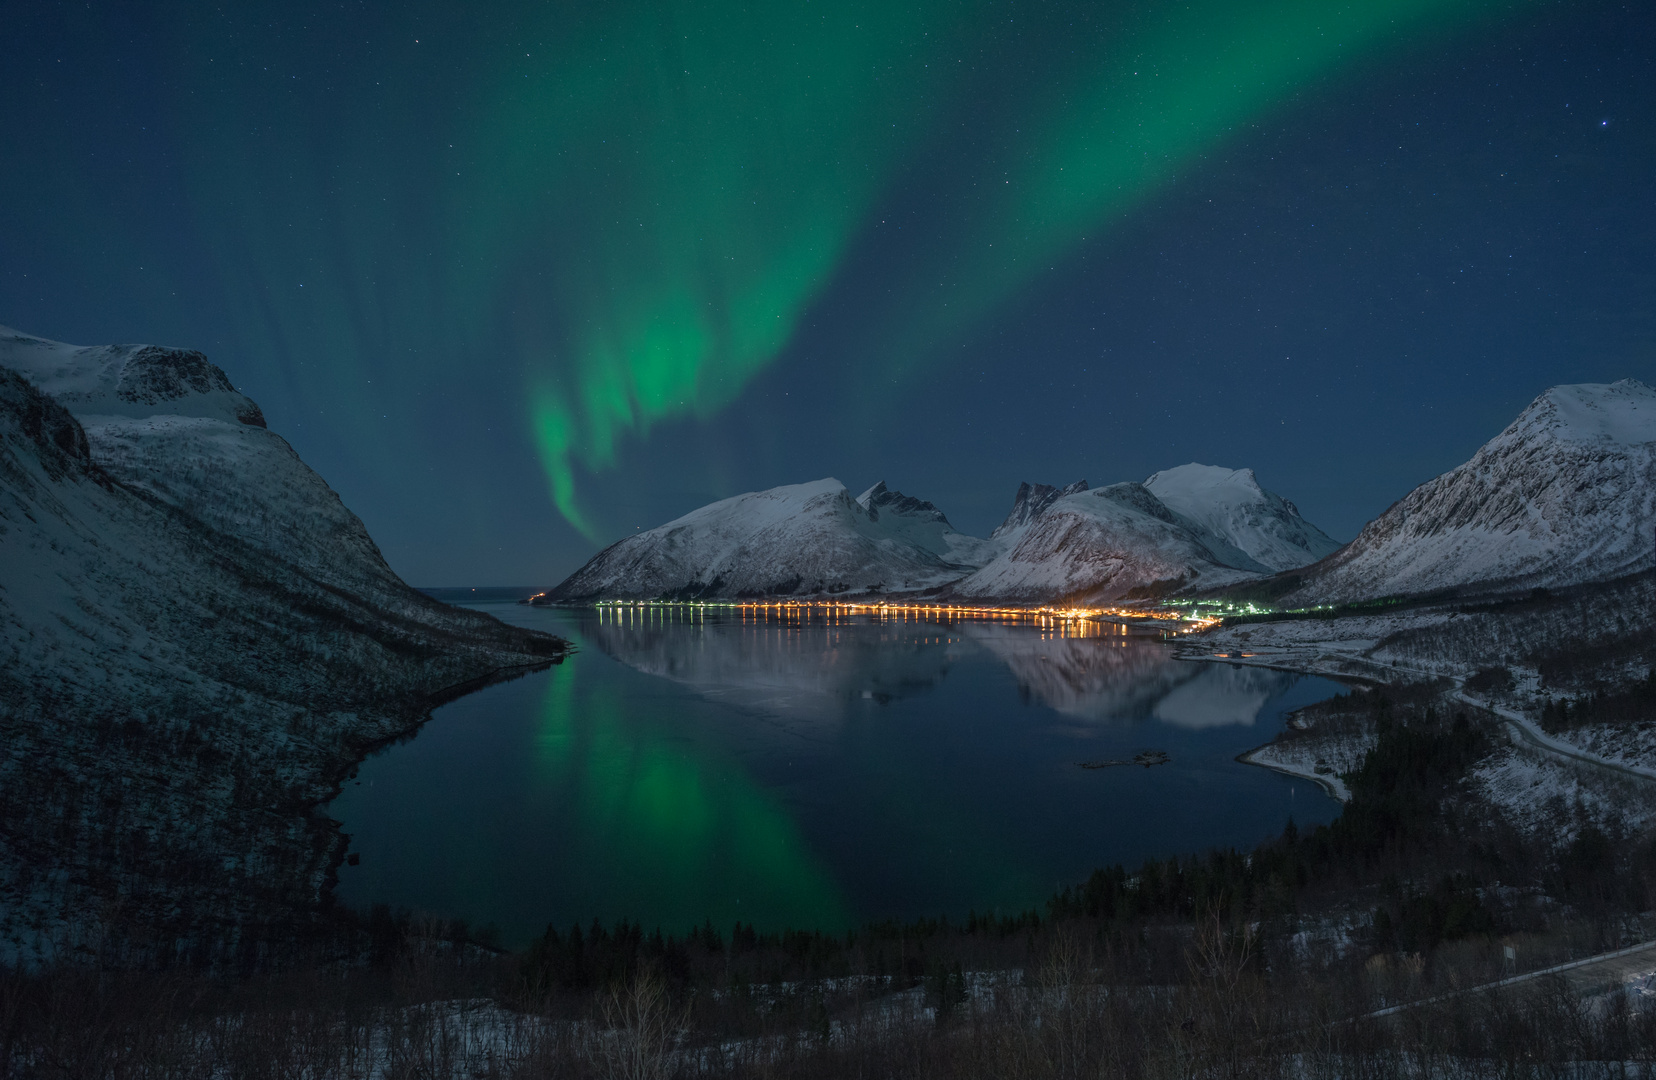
point(812, 772)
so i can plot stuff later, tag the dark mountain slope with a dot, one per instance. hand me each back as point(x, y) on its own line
point(180, 690)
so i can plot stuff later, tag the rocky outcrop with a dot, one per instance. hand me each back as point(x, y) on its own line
point(1029, 502)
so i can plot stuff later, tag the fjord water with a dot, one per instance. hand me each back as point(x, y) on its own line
point(812, 770)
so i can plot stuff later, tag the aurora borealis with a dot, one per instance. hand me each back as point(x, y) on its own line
point(518, 284)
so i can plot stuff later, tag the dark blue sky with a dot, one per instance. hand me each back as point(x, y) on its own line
point(453, 275)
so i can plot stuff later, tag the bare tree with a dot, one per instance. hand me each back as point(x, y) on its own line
point(643, 1029)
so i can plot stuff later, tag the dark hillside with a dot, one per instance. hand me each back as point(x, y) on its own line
point(175, 703)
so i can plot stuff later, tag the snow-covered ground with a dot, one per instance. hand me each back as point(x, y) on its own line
point(1319, 762)
point(1540, 792)
point(1633, 746)
point(1352, 647)
point(1609, 770)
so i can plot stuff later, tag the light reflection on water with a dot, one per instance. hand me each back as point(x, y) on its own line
point(812, 769)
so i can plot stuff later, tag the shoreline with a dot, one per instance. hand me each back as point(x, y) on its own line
point(338, 841)
point(1520, 729)
point(1331, 785)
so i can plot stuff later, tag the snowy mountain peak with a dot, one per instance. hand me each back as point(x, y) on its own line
point(1565, 494)
point(1193, 478)
point(127, 380)
point(1030, 501)
point(1231, 505)
point(798, 539)
point(1622, 412)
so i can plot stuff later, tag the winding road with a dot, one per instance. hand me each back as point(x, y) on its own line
point(1519, 728)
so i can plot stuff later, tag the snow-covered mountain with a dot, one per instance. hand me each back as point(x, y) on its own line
point(135, 381)
point(798, 540)
point(1071, 543)
point(1196, 526)
point(1566, 494)
point(1229, 503)
point(168, 423)
point(197, 639)
point(1105, 544)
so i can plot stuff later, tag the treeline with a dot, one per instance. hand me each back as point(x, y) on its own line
point(1395, 819)
point(1075, 1011)
point(1577, 637)
point(1630, 705)
point(1337, 611)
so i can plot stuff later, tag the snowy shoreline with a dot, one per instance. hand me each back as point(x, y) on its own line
point(1272, 755)
point(1264, 757)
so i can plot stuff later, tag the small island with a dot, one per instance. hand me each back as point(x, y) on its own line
point(1146, 758)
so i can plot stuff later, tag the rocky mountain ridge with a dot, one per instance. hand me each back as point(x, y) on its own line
point(923, 524)
point(1029, 502)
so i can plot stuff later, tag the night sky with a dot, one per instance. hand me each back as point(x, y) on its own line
point(518, 283)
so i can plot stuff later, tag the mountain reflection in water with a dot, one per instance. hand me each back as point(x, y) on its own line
point(809, 662)
point(813, 769)
point(1222, 694)
point(806, 665)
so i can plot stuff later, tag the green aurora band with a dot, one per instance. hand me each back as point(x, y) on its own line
point(691, 246)
point(623, 213)
point(708, 167)
point(1186, 80)
point(685, 836)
